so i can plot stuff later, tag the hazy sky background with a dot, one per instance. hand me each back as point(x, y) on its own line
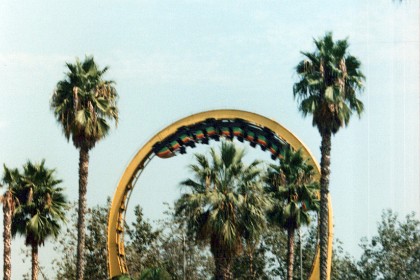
point(171, 59)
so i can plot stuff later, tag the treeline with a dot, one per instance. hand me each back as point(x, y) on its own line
point(240, 221)
point(393, 253)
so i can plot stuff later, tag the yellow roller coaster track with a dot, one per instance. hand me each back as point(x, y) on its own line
point(172, 140)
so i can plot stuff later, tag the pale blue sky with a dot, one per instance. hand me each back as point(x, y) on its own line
point(174, 58)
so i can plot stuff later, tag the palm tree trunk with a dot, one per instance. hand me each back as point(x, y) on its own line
point(35, 263)
point(300, 254)
point(7, 235)
point(251, 265)
point(325, 180)
point(252, 244)
point(223, 267)
point(290, 252)
point(250, 249)
point(222, 262)
point(218, 271)
point(83, 177)
point(226, 269)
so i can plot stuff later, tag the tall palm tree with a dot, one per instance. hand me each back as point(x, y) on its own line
point(12, 178)
point(218, 204)
point(83, 103)
point(43, 210)
point(294, 192)
point(329, 81)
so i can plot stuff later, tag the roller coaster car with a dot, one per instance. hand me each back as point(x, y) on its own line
point(211, 129)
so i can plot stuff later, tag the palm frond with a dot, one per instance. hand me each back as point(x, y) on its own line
point(329, 79)
point(83, 103)
point(40, 203)
point(233, 207)
point(294, 194)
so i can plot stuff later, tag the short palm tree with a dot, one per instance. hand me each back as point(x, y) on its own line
point(294, 192)
point(329, 81)
point(41, 210)
point(221, 207)
point(83, 103)
point(11, 178)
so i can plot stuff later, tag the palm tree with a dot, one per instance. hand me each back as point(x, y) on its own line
point(12, 178)
point(294, 192)
point(329, 80)
point(83, 103)
point(44, 208)
point(218, 206)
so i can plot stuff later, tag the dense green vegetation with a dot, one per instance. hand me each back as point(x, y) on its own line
point(171, 250)
point(393, 253)
point(268, 206)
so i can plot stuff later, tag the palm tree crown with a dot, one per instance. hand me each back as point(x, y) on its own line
point(42, 205)
point(291, 185)
point(12, 178)
point(330, 78)
point(83, 102)
point(224, 204)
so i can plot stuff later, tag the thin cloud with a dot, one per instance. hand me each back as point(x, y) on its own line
point(22, 59)
point(4, 124)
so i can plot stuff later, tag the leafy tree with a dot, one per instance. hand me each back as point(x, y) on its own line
point(343, 266)
point(157, 248)
point(291, 186)
point(122, 277)
point(155, 274)
point(142, 247)
point(95, 245)
point(12, 178)
point(83, 103)
point(242, 265)
point(391, 254)
point(215, 205)
point(329, 80)
point(96, 241)
point(275, 241)
point(395, 252)
point(180, 255)
point(27, 254)
point(66, 244)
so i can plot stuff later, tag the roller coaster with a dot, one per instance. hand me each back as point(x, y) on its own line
point(197, 129)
